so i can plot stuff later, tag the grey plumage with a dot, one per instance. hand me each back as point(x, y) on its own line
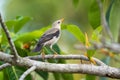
point(50, 37)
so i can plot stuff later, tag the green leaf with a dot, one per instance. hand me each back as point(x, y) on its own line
point(67, 76)
point(57, 76)
point(43, 74)
point(90, 77)
point(10, 25)
point(90, 53)
point(22, 52)
point(55, 47)
point(17, 24)
point(75, 2)
point(114, 19)
point(11, 73)
point(96, 33)
point(1, 75)
point(25, 37)
point(94, 15)
point(20, 71)
point(75, 30)
point(20, 22)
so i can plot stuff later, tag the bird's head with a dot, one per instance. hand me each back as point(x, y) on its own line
point(57, 23)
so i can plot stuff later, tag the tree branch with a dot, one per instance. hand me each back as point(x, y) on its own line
point(115, 47)
point(105, 71)
point(9, 38)
point(4, 66)
point(27, 72)
point(81, 57)
point(103, 20)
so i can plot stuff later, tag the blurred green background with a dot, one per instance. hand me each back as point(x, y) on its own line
point(83, 13)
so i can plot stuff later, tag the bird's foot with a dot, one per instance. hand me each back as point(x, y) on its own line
point(43, 56)
point(55, 54)
point(92, 61)
point(81, 61)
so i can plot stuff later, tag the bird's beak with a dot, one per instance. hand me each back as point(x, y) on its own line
point(62, 19)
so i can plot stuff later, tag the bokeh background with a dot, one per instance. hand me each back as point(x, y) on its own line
point(82, 13)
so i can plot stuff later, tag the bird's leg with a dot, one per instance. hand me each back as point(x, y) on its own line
point(55, 53)
point(43, 54)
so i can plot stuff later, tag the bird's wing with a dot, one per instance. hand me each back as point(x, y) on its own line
point(48, 35)
point(51, 31)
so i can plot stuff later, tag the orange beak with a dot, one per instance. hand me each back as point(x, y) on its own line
point(62, 19)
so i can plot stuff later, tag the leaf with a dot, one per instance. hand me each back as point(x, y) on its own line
point(67, 76)
point(22, 52)
point(10, 25)
point(94, 15)
point(55, 47)
point(20, 71)
point(57, 76)
point(20, 22)
point(11, 73)
point(90, 53)
point(75, 2)
point(75, 30)
point(90, 77)
point(1, 75)
point(87, 43)
point(109, 10)
point(43, 74)
point(25, 37)
point(17, 24)
point(96, 33)
point(114, 20)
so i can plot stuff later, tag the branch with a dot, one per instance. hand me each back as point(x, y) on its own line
point(27, 72)
point(9, 38)
point(4, 66)
point(81, 57)
point(105, 71)
point(115, 47)
point(103, 20)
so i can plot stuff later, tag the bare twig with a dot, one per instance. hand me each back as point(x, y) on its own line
point(105, 71)
point(4, 66)
point(27, 72)
point(111, 46)
point(103, 21)
point(9, 38)
point(114, 47)
point(82, 57)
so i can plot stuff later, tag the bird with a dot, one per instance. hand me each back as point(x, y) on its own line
point(50, 37)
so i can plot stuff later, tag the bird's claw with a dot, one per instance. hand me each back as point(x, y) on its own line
point(54, 55)
point(43, 56)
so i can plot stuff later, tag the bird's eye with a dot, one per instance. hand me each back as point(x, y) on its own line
point(58, 22)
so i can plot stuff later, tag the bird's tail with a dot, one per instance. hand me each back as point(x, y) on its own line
point(38, 48)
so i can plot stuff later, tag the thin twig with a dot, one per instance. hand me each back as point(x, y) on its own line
point(103, 20)
point(114, 47)
point(81, 57)
point(4, 66)
point(27, 72)
point(9, 38)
